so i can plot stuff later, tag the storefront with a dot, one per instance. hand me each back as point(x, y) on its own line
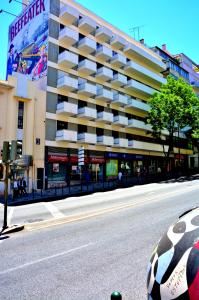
point(62, 167)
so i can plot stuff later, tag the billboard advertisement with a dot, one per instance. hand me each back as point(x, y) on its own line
point(112, 168)
point(28, 41)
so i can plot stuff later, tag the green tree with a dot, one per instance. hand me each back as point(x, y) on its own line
point(174, 108)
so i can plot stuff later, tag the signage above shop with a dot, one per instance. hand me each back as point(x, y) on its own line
point(24, 161)
point(126, 156)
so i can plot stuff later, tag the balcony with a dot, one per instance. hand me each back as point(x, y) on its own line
point(87, 89)
point(120, 120)
point(87, 113)
point(118, 60)
point(88, 138)
point(66, 135)
point(121, 143)
point(103, 34)
point(103, 53)
point(120, 99)
point(68, 59)
point(66, 108)
point(119, 79)
point(68, 14)
point(104, 117)
point(137, 124)
point(144, 54)
point(87, 25)
point(133, 144)
point(143, 72)
point(138, 105)
point(67, 83)
point(87, 67)
point(104, 74)
point(118, 42)
point(105, 140)
point(137, 86)
point(68, 36)
point(87, 45)
point(104, 94)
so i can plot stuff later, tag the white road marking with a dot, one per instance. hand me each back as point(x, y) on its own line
point(54, 210)
point(10, 215)
point(34, 262)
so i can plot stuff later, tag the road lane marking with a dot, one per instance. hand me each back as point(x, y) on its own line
point(55, 212)
point(34, 262)
point(10, 215)
point(73, 218)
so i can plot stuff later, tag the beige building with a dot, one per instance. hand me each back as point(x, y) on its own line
point(22, 118)
point(99, 81)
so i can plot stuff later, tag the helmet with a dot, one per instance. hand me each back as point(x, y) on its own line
point(173, 271)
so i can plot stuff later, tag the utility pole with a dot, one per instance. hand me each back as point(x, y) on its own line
point(8, 156)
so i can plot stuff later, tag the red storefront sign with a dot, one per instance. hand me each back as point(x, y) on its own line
point(97, 160)
point(179, 156)
point(57, 158)
point(74, 159)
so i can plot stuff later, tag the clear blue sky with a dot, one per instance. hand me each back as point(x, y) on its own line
point(171, 22)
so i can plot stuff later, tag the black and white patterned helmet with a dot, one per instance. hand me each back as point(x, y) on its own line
point(173, 271)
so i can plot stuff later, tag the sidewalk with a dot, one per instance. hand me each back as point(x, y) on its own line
point(86, 189)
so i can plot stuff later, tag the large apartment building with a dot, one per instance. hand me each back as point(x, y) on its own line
point(97, 81)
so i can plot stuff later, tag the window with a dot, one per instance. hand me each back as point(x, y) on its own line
point(82, 128)
point(62, 125)
point(20, 115)
point(62, 98)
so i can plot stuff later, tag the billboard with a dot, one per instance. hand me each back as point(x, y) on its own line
point(112, 168)
point(28, 41)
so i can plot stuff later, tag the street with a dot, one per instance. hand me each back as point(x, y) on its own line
point(103, 244)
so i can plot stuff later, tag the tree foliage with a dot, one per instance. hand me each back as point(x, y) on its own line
point(174, 108)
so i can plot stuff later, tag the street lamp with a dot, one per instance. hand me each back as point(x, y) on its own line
point(7, 12)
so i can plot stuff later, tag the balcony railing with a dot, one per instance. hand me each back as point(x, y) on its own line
point(105, 140)
point(87, 113)
point(103, 53)
point(103, 34)
point(87, 66)
point(120, 142)
point(104, 74)
point(139, 105)
point(120, 99)
point(68, 59)
point(104, 94)
point(66, 108)
point(68, 36)
point(67, 83)
point(141, 71)
point(133, 123)
point(104, 117)
point(68, 14)
point(146, 55)
point(88, 138)
point(66, 135)
point(87, 25)
point(137, 86)
point(87, 89)
point(133, 144)
point(87, 45)
point(119, 79)
point(120, 120)
point(118, 42)
point(118, 60)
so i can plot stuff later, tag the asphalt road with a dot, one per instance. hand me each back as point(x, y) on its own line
point(88, 259)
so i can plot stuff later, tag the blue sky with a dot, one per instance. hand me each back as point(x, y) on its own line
point(171, 22)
